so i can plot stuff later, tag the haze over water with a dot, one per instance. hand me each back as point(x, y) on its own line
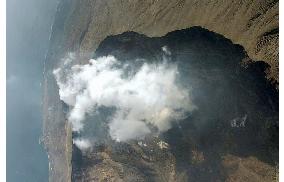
point(28, 30)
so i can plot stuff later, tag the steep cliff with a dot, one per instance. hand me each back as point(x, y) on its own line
point(252, 24)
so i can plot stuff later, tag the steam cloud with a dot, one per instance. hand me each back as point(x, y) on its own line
point(143, 99)
point(82, 144)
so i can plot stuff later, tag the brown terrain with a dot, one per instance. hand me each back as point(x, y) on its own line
point(81, 26)
point(252, 24)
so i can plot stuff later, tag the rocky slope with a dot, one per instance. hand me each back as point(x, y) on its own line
point(252, 24)
point(206, 146)
point(81, 26)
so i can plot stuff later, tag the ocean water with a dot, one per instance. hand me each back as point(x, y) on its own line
point(29, 25)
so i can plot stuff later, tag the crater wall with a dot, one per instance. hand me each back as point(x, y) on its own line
point(83, 25)
point(252, 24)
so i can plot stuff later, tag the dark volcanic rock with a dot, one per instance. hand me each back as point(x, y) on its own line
point(81, 26)
point(237, 115)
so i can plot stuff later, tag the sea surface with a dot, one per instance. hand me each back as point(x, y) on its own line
point(29, 26)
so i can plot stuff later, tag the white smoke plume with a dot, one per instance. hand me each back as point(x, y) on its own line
point(82, 144)
point(166, 50)
point(143, 99)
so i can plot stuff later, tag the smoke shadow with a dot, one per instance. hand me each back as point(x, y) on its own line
point(237, 107)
